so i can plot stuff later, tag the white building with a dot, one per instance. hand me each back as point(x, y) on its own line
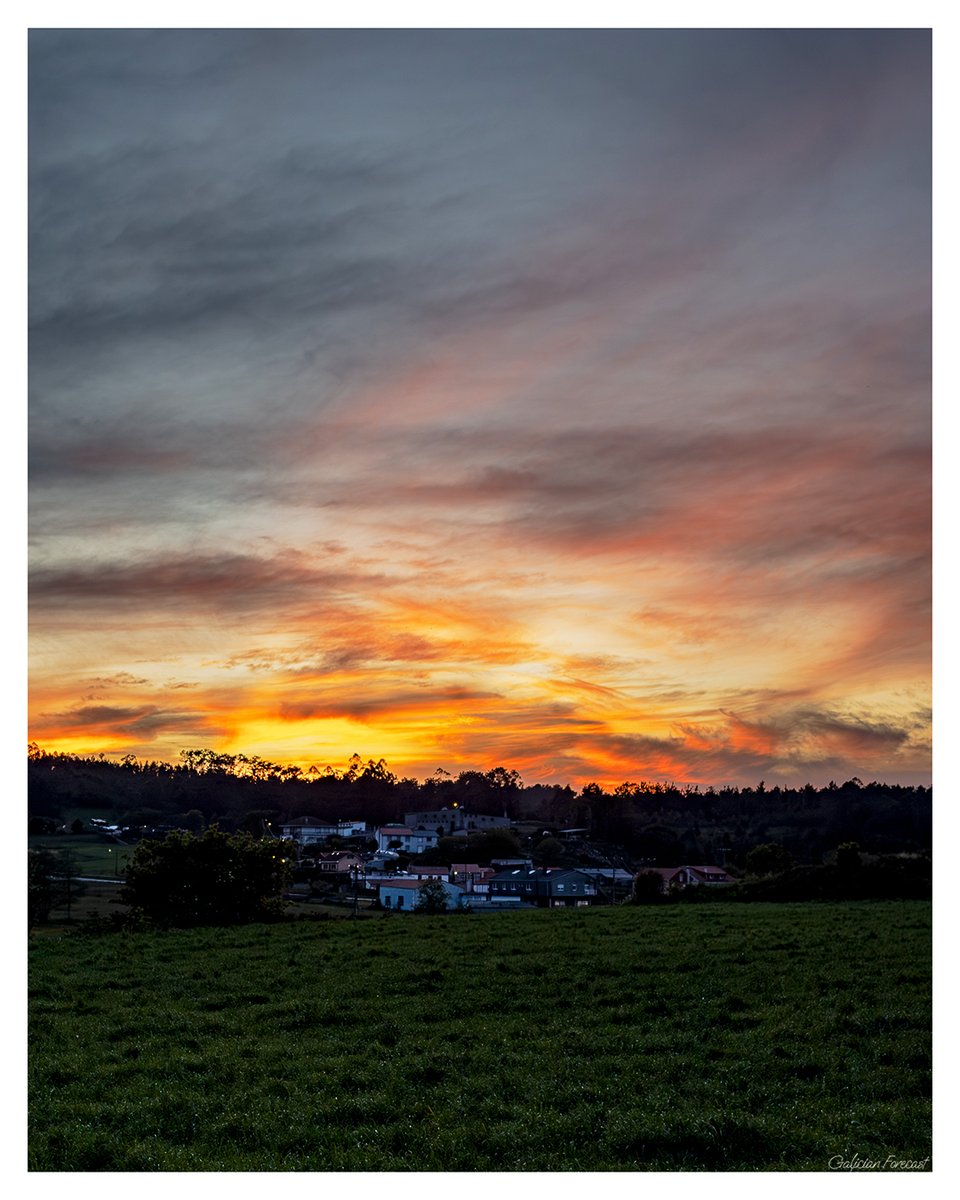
point(310, 830)
point(400, 895)
point(401, 837)
point(454, 819)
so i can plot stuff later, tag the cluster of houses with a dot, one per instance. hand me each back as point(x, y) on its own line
point(506, 883)
point(467, 884)
point(420, 831)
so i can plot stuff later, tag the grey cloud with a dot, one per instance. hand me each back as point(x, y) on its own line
point(145, 721)
point(816, 740)
point(341, 649)
point(814, 489)
point(806, 742)
point(215, 209)
point(87, 449)
point(859, 733)
point(160, 218)
point(803, 740)
point(126, 247)
point(229, 582)
point(388, 703)
point(167, 219)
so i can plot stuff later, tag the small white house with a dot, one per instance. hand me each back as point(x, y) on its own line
point(400, 895)
point(401, 837)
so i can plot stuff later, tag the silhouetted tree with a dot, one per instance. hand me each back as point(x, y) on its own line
point(848, 857)
point(768, 859)
point(660, 844)
point(255, 821)
point(494, 843)
point(647, 888)
point(431, 898)
point(549, 851)
point(214, 879)
point(46, 885)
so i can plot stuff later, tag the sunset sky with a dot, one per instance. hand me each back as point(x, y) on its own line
point(553, 399)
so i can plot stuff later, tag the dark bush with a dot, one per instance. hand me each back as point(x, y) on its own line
point(212, 879)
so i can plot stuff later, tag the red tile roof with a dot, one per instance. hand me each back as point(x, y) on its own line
point(406, 883)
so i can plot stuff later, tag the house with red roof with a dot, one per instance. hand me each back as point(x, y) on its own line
point(470, 876)
point(338, 862)
point(474, 878)
point(675, 878)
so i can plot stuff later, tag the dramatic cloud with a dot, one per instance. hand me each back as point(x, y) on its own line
point(224, 582)
point(558, 398)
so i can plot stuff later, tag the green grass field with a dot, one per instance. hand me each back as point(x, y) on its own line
point(716, 1037)
point(93, 854)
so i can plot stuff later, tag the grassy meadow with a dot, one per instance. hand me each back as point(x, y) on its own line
point(715, 1037)
point(92, 854)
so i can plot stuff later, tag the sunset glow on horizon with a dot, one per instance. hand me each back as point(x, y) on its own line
point(550, 399)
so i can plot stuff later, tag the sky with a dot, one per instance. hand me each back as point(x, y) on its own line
point(557, 399)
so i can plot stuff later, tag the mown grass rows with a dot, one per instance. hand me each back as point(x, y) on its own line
point(723, 1037)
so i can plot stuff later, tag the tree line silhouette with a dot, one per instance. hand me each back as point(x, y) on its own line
point(657, 822)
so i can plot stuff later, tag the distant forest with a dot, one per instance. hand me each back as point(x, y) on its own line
point(655, 822)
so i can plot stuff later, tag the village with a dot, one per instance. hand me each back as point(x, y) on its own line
point(332, 862)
